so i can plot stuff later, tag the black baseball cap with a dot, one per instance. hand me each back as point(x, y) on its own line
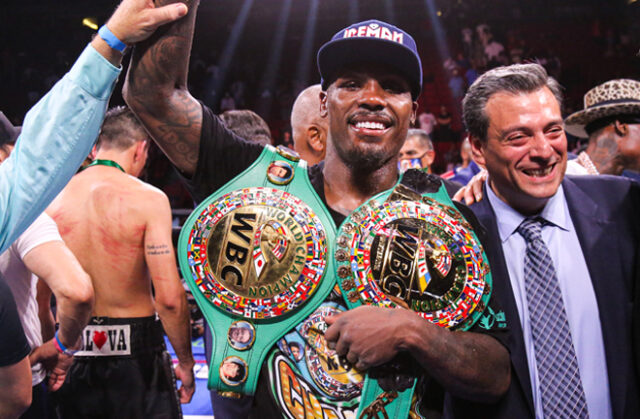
point(372, 41)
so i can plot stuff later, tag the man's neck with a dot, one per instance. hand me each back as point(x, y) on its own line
point(121, 158)
point(346, 189)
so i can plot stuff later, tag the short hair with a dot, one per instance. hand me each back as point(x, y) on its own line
point(248, 125)
point(423, 137)
point(294, 345)
point(120, 129)
point(515, 79)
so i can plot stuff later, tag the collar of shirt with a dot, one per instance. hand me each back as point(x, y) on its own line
point(508, 219)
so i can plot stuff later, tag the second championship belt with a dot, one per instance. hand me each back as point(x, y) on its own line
point(410, 246)
point(256, 256)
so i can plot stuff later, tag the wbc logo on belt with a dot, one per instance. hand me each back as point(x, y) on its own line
point(257, 252)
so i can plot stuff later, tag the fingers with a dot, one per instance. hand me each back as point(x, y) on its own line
point(469, 196)
point(168, 13)
point(361, 365)
point(334, 318)
point(476, 189)
point(186, 393)
point(332, 334)
point(186, 390)
point(352, 357)
point(459, 195)
point(133, 21)
point(56, 379)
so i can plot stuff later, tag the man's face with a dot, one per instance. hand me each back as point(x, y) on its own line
point(295, 351)
point(369, 109)
point(230, 369)
point(413, 149)
point(278, 171)
point(526, 148)
point(629, 148)
point(241, 335)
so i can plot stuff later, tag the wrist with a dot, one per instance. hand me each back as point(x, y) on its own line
point(410, 331)
point(61, 347)
point(111, 39)
point(188, 364)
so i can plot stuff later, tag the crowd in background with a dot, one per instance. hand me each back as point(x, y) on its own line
point(471, 45)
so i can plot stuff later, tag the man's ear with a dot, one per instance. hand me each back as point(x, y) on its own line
point(317, 138)
point(477, 150)
point(93, 152)
point(141, 148)
point(414, 111)
point(621, 128)
point(430, 157)
point(323, 104)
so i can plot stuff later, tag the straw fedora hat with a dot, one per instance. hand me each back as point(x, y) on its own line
point(615, 97)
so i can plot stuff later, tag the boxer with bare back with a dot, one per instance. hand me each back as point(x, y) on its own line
point(119, 228)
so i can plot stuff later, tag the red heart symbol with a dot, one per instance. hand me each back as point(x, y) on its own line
point(99, 338)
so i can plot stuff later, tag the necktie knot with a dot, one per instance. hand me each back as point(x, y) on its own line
point(531, 229)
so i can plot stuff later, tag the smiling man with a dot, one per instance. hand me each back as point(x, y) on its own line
point(567, 246)
point(371, 77)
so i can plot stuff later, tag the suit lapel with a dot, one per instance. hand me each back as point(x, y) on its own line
point(502, 288)
point(598, 234)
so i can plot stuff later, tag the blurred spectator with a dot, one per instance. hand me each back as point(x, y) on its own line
point(471, 74)
point(248, 125)
point(427, 121)
point(308, 127)
point(227, 103)
point(417, 152)
point(457, 85)
point(444, 138)
point(467, 169)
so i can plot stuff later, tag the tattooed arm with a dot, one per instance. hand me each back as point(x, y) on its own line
point(156, 90)
point(170, 299)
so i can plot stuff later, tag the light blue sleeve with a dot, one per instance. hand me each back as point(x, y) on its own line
point(57, 135)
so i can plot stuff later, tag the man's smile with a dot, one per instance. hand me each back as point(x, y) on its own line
point(370, 124)
point(540, 173)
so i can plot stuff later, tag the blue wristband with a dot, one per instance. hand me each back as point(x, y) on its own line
point(63, 349)
point(111, 39)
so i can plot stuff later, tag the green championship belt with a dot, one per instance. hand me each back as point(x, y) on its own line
point(256, 256)
point(410, 246)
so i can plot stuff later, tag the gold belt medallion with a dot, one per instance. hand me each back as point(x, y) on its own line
point(257, 252)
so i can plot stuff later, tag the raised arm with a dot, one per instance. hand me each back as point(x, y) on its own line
point(170, 298)
point(156, 90)
point(58, 132)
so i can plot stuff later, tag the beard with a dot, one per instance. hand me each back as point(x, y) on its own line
point(362, 159)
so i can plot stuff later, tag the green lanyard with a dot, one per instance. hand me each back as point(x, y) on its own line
point(102, 162)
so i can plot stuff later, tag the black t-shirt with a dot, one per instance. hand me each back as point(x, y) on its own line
point(13, 345)
point(223, 156)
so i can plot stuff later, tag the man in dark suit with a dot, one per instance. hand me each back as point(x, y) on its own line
point(562, 252)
